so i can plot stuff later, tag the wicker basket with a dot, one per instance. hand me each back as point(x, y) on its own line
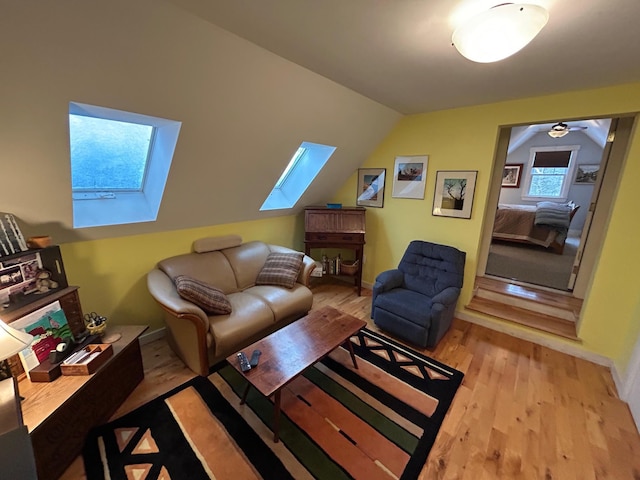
point(349, 267)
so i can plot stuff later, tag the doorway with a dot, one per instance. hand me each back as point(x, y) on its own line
point(586, 237)
point(550, 178)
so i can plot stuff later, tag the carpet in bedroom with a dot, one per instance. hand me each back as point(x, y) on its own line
point(530, 264)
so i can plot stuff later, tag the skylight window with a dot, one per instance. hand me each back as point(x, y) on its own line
point(122, 147)
point(304, 166)
point(119, 164)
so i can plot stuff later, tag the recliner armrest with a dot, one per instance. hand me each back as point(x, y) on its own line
point(387, 280)
point(447, 296)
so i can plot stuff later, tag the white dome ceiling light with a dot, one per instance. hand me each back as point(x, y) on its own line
point(499, 32)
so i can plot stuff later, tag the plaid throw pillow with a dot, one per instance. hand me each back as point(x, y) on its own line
point(209, 298)
point(280, 269)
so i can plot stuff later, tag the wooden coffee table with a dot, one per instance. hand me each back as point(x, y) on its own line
point(289, 351)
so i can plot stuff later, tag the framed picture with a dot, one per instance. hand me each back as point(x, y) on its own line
point(409, 176)
point(371, 187)
point(454, 193)
point(511, 175)
point(587, 174)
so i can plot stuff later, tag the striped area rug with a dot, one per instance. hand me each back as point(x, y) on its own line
point(377, 422)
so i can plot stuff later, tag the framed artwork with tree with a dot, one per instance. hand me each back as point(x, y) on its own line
point(454, 193)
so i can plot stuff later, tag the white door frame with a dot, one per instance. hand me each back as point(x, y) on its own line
point(631, 387)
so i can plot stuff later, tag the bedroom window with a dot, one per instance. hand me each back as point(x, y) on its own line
point(549, 173)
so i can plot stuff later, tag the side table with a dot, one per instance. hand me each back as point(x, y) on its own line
point(59, 414)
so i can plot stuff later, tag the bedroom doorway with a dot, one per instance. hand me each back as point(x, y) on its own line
point(543, 207)
point(601, 156)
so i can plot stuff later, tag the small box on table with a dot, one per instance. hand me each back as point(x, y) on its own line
point(89, 359)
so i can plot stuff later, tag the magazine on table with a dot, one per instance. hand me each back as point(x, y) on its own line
point(49, 327)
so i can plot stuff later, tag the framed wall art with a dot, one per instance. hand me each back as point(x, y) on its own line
point(371, 187)
point(454, 193)
point(586, 174)
point(409, 176)
point(511, 175)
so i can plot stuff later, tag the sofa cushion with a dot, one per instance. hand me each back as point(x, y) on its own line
point(280, 269)
point(209, 298)
point(211, 268)
point(250, 316)
point(285, 303)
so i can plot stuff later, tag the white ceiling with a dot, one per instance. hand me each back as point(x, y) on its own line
point(399, 52)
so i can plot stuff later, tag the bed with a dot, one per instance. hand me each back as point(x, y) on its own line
point(545, 224)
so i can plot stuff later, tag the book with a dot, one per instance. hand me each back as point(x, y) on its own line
point(49, 327)
point(11, 238)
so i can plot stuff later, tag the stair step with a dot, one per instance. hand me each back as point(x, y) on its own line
point(537, 308)
point(526, 304)
point(522, 316)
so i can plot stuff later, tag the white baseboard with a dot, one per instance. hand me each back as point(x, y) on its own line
point(552, 343)
point(152, 336)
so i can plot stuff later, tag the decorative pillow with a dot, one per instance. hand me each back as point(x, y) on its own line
point(209, 298)
point(280, 269)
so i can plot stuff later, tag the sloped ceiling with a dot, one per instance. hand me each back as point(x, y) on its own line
point(250, 80)
point(244, 111)
point(399, 53)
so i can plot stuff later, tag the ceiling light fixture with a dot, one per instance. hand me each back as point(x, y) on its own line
point(559, 130)
point(499, 32)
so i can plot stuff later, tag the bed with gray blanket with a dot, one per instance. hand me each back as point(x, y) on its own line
point(545, 224)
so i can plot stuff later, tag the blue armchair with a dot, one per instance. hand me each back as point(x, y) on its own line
point(416, 301)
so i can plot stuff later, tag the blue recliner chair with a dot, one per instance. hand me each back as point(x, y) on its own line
point(416, 301)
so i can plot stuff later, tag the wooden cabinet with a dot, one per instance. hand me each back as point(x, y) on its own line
point(342, 228)
point(59, 414)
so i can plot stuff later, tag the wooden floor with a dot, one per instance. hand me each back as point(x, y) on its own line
point(523, 411)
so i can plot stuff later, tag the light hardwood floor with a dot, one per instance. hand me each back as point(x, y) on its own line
point(523, 411)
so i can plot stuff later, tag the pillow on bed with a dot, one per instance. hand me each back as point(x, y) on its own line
point(553, 214)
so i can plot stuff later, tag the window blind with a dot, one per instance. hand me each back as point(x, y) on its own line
point(558, 159)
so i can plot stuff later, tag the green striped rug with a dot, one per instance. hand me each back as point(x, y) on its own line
point(379, 421)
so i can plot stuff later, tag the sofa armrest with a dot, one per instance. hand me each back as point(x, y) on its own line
point(187, 324)
point(164, 292)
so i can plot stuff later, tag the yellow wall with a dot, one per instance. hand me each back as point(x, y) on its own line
point(112, 273)
point(465, 139)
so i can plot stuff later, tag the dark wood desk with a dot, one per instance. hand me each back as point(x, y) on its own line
point(336, 228)
point(59, 414)
point(289, 351)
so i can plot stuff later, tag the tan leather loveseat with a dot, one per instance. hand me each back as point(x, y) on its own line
point(202, 339)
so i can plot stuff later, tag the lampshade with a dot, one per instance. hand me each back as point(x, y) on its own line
point(12, 341)
point(499, 32)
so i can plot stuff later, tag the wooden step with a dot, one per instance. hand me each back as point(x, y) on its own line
point(537, 308)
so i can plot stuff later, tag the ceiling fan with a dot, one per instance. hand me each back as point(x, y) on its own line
point(560, 129)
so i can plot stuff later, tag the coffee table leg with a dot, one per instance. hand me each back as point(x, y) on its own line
point(276, 416)
point(244, 395)
point(351, 352)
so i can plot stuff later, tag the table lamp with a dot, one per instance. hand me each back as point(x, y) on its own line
point(12, 341)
